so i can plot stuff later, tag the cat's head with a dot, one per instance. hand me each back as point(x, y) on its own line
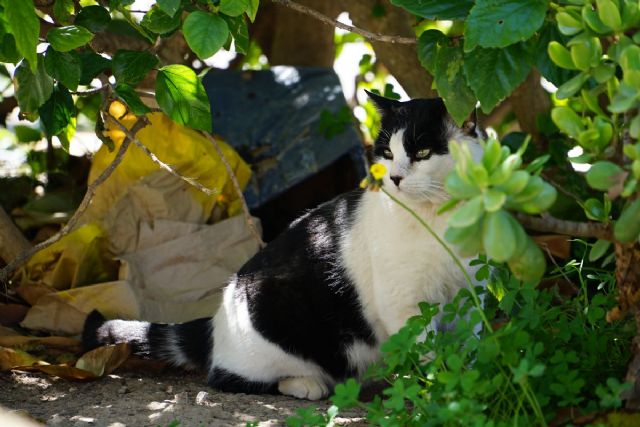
point(413, 144)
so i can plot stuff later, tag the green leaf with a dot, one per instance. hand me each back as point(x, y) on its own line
point(8, 50)
point(516, 182)
point(62, 11)
point(92, 64)
point(499, 23)
point(57, 112)
point(131, 98)
point(594, 210)
point(599, 249)
point(543, 62)
point(181, 95)
point(494, 73)
point(95, 18)
point(590, 16)
point(27, 134)
point(459, 188)
point(131, 66)
point(436, 9)
point(467, 214)
point(560, 55)
point(568, 23)
point(627, 227)
point(498, 236)
point(603, 175)
point(65, 67)
point(159, 22)
point(205, 33)
point(571, 87)
point(530, 265)
point(25, 27)
point(428, 45)
point(452, 85)
point(170, 7)
point(233, 7)
point(609, 14)
point(32, 90)
point(493, 200)
point(240, 32)
point(252, 11)
point(64, 39)
point(567, 121)
point(346, 395)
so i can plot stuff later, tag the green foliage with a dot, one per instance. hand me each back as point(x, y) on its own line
point(67, 38)
point(490, 186)
point(32, 89)
point(436, 9)
point(546, 353)
point(181, 95)
point(205, 33)
point(66, 67)
point(25, 27)
point(333, 124)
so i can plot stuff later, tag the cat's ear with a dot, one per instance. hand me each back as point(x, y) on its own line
point(385, 105)
point(471, 127)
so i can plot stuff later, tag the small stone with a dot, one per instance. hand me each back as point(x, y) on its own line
point(123, 390)
point(72, 389)
point(202, 397)
point(168, 389)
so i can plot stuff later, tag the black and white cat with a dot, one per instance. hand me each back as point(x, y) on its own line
point(312, 308)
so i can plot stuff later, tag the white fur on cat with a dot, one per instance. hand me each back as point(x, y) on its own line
point(393, 262)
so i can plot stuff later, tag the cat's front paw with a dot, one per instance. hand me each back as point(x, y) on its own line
point(303, 388)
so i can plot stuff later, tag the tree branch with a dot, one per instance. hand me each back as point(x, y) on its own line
point(364, 33)
point(12, 241)
point(191, 181)
point(547, 223)
point(91, 190)
point(236, 186)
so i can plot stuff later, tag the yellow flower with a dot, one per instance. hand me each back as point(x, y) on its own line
point(364, 183)
point(378, 170)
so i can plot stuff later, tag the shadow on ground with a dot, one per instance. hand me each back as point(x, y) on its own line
point(130, 399)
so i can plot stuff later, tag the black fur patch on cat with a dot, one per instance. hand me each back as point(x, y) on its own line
point(424, 120)
point(301, 299)
point(228, 382)
point(181, 344)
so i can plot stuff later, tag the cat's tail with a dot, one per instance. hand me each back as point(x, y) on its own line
point(182, 344)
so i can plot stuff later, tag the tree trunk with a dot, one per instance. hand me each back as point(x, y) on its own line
point(628, 279)
point(12, 241)
point(296, 39)
point(528, 101)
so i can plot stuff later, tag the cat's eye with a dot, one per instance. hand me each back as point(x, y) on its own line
point(423, 154)
point(387, 154)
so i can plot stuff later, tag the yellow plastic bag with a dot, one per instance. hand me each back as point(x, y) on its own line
point(185, 150)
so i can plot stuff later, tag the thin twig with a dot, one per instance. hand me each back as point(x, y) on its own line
point(156, 160)
point(236, 186)
point(86, 201)
point(547, 223)
point(91, 91)
point(364, 33)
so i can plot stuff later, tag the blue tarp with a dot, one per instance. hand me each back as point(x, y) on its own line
point(272, 118)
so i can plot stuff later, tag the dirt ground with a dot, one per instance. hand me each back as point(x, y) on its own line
point(132, 399)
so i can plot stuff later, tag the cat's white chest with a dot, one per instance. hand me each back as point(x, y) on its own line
point(395, 263)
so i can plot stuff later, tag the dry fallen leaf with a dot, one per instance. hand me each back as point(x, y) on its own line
point(66, 343)
point(11, 358)
point(104, 360)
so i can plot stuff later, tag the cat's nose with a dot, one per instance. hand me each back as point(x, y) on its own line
point(396, 180)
